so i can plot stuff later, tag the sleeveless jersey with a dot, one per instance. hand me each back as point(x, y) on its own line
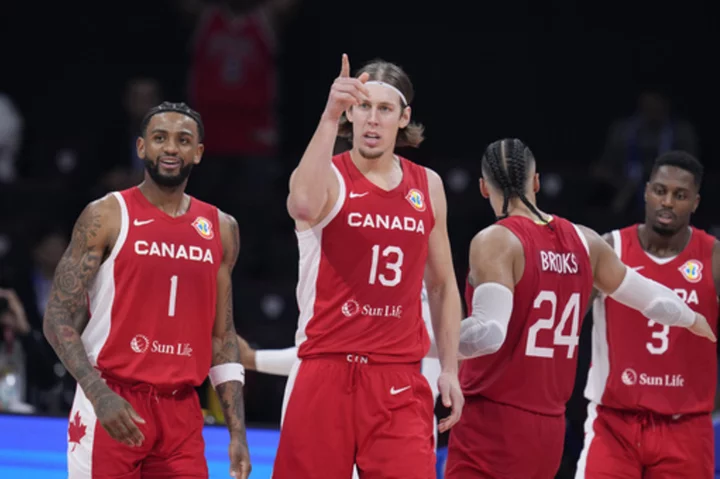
point(535, 367)
point(640, 365)
point(153, 301)
point(233, 82)
point(361, 269)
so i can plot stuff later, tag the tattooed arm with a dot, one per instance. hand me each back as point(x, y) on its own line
point(94, 234)
point(225, 349)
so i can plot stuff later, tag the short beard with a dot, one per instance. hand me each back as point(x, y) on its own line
point(165, 181)
point(368, 155)
point(665, 231)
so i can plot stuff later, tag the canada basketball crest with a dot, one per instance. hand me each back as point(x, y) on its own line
point(415, 197)
point(692, 270)
point(203, 227)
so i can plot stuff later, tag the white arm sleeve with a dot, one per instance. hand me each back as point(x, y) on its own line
point(485, 330)
point(275, 361)
point(653, 300)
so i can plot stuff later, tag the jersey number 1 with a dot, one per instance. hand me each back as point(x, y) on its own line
point(571, 311)
point(173, 295)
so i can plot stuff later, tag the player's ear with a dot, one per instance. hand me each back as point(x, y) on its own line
point(536, 182)
point(405, 117)
point(140, 147)
point(198, 154)
point(645, 193)
point(697, 202)
point(348, 114)
point(484, 191)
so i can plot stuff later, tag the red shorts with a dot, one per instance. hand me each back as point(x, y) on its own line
point(643, 445)
point(498, 441)
point(173, 446)
point(344, 410)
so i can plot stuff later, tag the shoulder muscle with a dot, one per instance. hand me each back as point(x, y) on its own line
point(230, 237)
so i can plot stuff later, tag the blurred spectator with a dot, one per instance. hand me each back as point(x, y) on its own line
point(121, 167)
point(32, 282)
point(11, 125)
point(13, 378)
point(233, 84)
point(633, 143)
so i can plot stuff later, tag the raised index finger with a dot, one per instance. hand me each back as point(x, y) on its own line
point(345, 69)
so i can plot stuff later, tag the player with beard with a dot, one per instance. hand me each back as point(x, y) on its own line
point(153, 266)
point(652, 388)
point(371, 226)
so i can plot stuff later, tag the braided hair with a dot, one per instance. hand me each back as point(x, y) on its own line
point(506, 164)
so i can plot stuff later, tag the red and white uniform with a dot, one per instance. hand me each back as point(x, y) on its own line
point(361, 335)
point(152, 310)
point(513, 422)
point(233, 82)
point(646, 378)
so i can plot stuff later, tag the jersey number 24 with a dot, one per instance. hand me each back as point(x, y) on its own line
point(570, 312)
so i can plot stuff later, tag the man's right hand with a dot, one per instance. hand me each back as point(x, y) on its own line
point(118, 418)
point(346, 91)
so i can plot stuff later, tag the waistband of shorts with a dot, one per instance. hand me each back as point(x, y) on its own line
point(647, 413)
point(364, 360)
point(177, 391)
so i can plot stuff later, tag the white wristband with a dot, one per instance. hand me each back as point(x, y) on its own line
point(223, 373)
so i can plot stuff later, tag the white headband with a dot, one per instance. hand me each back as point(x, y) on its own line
point(387, 85)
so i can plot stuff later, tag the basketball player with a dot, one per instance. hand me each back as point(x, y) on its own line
point(280, 361)
point(154, 265)
point(531, 278)
point(370, 225)
point(652, 388)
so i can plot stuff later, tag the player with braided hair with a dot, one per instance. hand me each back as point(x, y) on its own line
point(531, 278)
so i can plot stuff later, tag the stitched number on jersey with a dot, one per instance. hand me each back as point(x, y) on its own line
point(663, 340)
point(392, 261)
point(571, 311)
point(173, 295)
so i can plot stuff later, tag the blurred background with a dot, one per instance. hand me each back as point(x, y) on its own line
point(596, 90)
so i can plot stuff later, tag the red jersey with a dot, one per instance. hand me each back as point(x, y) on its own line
point(535, 367)
point(153, 301)
point(640, 365)
point(233, 82)
point(361, 269)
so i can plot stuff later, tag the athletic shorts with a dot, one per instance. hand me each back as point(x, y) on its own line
point(623, 444)
point(497, 441)
point(173, 448)
point(344, 410)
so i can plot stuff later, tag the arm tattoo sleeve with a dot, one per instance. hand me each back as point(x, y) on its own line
point(225, 346)
point(68, 297)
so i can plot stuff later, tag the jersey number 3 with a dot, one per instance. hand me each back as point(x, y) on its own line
point(571, 311)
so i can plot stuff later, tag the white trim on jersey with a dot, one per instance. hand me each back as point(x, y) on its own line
point(101, 293)
point(582, 237)
point(589, 436)
point(310, 254)
point(617, 243)
point(600, 356)
point(80, 454)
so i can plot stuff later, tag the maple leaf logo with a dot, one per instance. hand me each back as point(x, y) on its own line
point(76, 430)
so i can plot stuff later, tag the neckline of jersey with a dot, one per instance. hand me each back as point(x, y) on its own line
point(160, 213)
point(398, 190)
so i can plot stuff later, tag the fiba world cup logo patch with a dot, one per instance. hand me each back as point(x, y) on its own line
point(692, 270)
point(416, 199)
point(203, 227)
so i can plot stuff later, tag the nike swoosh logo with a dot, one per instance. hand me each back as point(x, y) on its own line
point(394, 391)
point(357, 195)
point(638, 268)
point(140, 223)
